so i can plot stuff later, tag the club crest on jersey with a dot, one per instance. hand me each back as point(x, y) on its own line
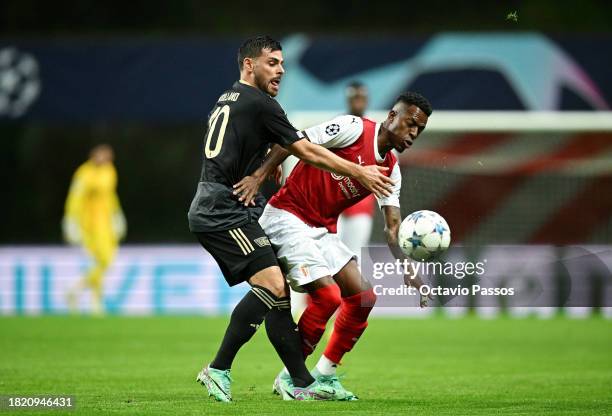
point(304, 270)
point(262, 241)
point(332, 129)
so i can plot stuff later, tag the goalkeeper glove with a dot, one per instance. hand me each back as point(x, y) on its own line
point(71, 230)
point(119, 225)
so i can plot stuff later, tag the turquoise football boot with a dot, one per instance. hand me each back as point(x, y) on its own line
point(217, 382)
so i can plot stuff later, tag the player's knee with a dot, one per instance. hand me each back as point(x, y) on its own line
point(103, 262)
point(361, 304)
point(273, 280)
point(328, 297)
point(276, 286)
point(368, 298)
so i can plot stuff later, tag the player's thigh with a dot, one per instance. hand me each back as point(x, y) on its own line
point(101, 246)
point(350, 280)
point(302, 262)
point(355, 231)
point(296, 247)
point(319, 283)
point(241, 253)
point(336, 254)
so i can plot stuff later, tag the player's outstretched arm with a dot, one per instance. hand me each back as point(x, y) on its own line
point(73, 209)
point(248, 186)
point(370, 177)
point(393, 219)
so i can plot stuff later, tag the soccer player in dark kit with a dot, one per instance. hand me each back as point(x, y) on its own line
point(244, 122)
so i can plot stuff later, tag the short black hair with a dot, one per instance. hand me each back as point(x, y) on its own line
point(355, 88)
point(252, 47)
point(414, 98)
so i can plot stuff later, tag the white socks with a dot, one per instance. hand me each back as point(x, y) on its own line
point(326, 367)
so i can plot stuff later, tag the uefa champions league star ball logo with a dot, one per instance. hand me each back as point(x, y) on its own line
point(19, 82)
point(332, 129)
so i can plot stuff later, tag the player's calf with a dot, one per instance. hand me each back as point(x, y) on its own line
point(323, 303)
point(351, 322)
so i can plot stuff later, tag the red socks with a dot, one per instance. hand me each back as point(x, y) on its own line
point(322, 304)
point(351, 321)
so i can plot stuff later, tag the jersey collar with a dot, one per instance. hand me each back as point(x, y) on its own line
point(376, 154)
point(255, 88)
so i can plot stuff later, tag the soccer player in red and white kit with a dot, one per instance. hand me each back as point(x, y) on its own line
point(300, 221)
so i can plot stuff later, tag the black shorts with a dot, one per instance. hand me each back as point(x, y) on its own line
point(240, 252)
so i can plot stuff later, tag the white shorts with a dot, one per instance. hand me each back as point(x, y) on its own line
point(304, 253)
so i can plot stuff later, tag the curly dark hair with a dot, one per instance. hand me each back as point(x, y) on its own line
point(252, 47)
point(414, 98)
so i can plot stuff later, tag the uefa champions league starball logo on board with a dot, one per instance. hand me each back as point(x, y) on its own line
point(19, 82)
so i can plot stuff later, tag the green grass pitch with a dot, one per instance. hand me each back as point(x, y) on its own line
point(401, 366)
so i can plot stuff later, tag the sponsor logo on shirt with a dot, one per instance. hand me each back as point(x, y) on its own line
point(347, 186)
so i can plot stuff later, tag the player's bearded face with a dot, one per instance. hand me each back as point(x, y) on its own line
point(268, 71)
point(405, 126)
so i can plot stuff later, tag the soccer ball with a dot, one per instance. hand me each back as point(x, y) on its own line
point(19, 82)
point(423, 235)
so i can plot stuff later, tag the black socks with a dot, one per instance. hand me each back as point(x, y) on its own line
point(246, 318)
point(284, 335)
point(257, 304)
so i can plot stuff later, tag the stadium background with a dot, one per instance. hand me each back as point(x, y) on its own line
point(144, 84)
point(142, 76)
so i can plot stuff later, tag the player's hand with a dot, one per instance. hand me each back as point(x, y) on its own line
point(417, 282)
point(372, 178)
point(247, 189)
point(424, 300)
point(277, 175)
point(119, 225)
point(71, 231)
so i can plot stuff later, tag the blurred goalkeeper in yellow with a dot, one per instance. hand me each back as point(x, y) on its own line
point(93, 218)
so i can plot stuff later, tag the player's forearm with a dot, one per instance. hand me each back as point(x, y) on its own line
point(73, 206)
point(411, 278)
point(275, 157)
point(322, 158)
point(393, 243)
point(393, 219)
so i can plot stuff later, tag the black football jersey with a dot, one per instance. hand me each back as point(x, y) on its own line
point(240, 129)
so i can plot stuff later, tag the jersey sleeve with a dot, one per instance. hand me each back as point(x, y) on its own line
point(340, 132)
point(76, 194)
point(393, 199)
point(276, 122)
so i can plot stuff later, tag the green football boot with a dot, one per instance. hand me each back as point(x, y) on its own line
point(217, 382)
point(333, 381)
point(316, 391)
point(283, 386)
